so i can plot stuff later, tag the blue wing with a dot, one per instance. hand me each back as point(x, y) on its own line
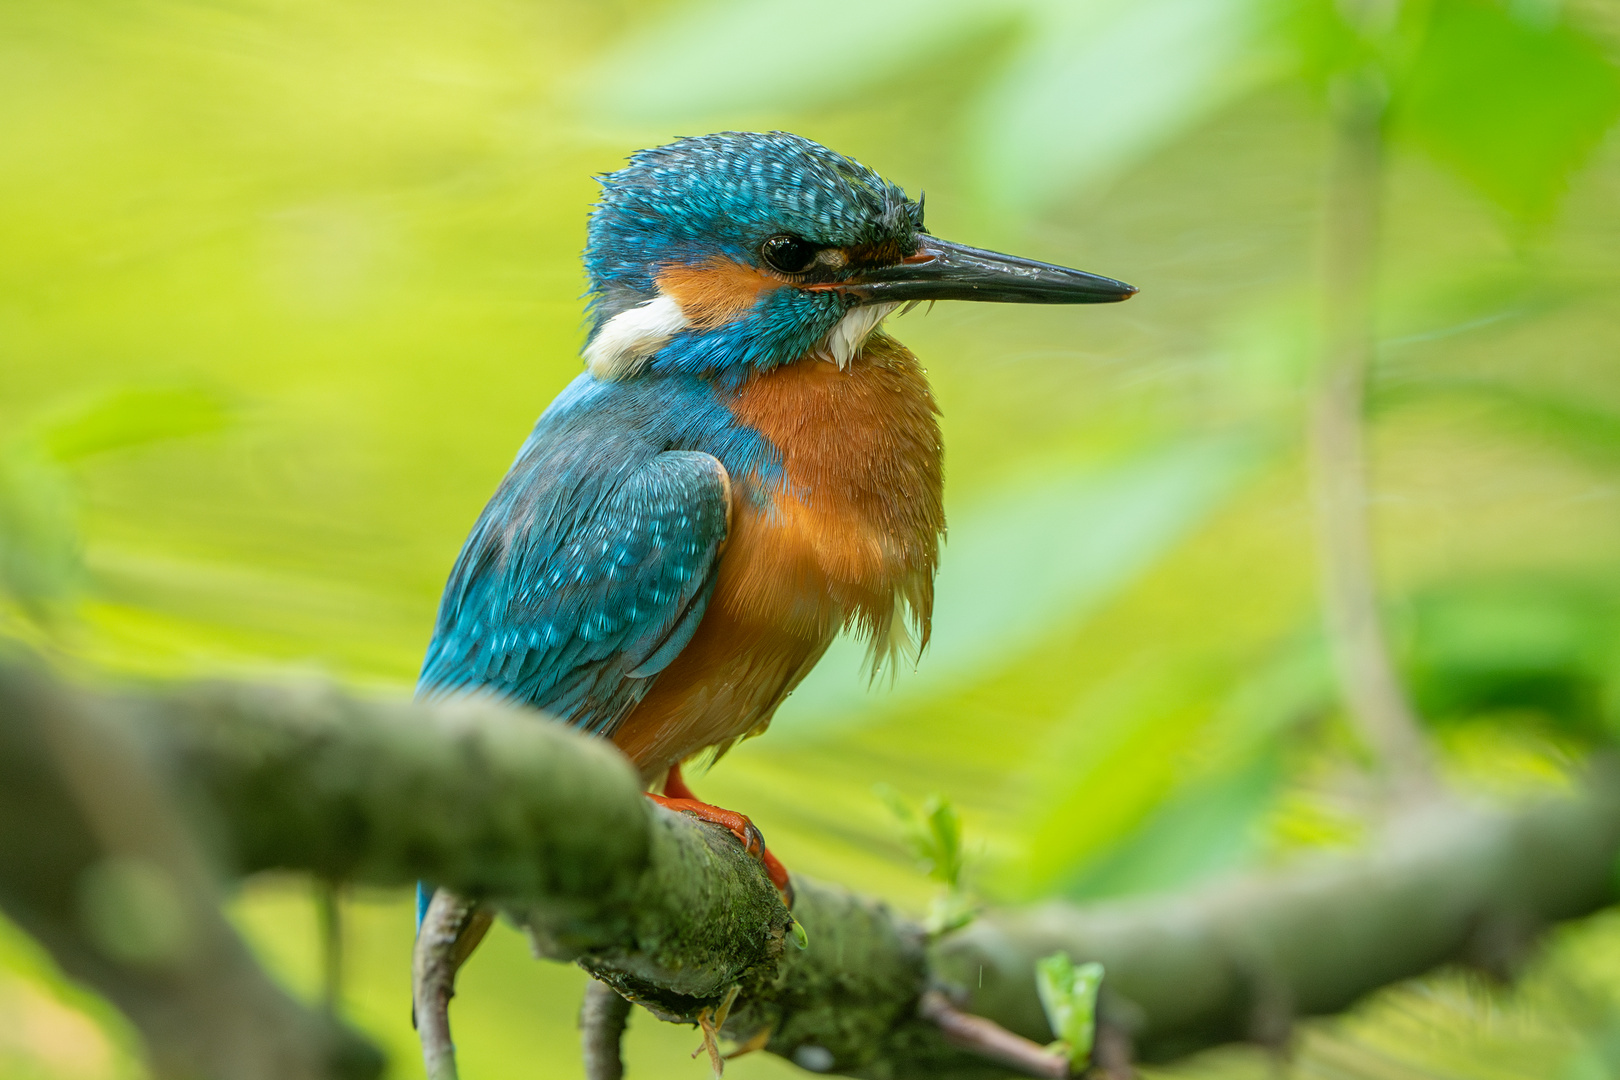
point(585, 575)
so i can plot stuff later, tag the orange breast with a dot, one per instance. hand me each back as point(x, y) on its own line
point(850, 537)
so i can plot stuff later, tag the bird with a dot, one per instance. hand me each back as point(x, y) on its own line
point(748, 466)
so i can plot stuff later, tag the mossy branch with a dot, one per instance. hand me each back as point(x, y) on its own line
point(550, 827)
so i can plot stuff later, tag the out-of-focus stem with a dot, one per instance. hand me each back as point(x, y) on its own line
point(1372, 690)
point(329, 915)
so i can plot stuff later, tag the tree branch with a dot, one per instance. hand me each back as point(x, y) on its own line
point(1449, 883)
point(550, 827)
point(97, 866)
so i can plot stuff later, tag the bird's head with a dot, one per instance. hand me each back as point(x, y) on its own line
point(728, 254)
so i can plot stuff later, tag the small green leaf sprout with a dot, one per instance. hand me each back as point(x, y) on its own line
point(934, 835)
point(1069, 997)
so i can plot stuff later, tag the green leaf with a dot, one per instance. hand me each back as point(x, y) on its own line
point(1521, 648)
point(41, 563)
point(129, 418)
point(1103, 85)
point(1068, 996)
point(766, 56)
point(934, 834)
point(1514, 104)
point(40, 557)
point(1204, 828)
point(1160, 778)
point(950, 910)
point(1583, 427)
point(1047, 549)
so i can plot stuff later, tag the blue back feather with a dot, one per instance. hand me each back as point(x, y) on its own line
point(592, 565)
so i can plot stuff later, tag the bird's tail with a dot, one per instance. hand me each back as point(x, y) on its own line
point(424, 897)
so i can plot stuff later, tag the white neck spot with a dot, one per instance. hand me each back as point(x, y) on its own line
point(845, 339)
point(631, 337)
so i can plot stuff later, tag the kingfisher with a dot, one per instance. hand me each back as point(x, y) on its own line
point(747, 467)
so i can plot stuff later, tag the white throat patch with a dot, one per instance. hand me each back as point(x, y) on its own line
point(628, 339)
point(845, 339)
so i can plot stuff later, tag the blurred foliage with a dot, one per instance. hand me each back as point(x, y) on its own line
point(933, 832)
point(40, 565)
point(284, 284)
point(1509, 95)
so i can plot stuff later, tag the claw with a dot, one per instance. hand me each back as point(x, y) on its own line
point(778, 875)
point(711, 1043)
point(757, 1041)
point(724, 1010)
point(753, 839)
point(711, 1021)
point(678, 797)
point(450, 930)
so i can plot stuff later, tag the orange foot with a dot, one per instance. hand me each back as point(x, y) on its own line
point(677, 796)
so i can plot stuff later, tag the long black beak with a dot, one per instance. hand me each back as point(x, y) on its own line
point(941, 270)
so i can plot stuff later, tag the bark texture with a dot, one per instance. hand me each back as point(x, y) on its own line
point(550, 827)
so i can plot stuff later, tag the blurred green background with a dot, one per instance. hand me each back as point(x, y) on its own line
point(284, 283)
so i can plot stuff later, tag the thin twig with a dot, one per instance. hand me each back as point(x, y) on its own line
point(759, 1040)
point(602, 1020)
point(990, 1040)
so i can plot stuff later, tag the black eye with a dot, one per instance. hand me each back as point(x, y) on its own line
point(789, 254)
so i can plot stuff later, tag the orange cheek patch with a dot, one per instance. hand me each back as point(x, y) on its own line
point(715, 291)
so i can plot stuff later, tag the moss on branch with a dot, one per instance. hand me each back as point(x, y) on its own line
point(550, 827)
point(1447, 882)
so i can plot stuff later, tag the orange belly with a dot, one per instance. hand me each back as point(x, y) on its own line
point(849, 537)
point(740, 664)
